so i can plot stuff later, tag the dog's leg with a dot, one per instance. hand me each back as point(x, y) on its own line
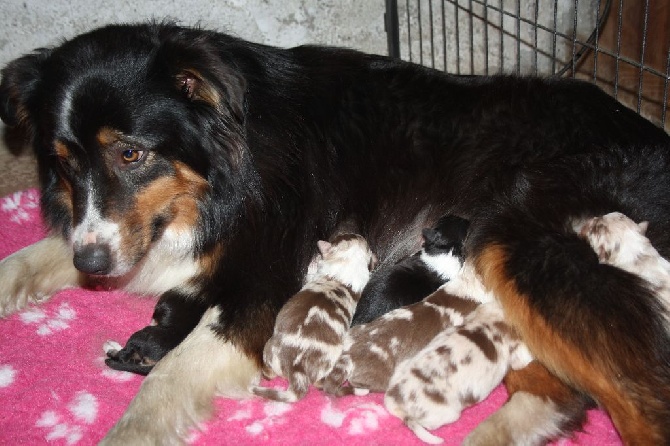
point(34, 273)
point(179, 391)
point(595, 327)
point(541, 408)
point(174, 317)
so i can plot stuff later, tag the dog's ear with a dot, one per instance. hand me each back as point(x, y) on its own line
point(218, 87)
point(19, 82)
point(200, 71)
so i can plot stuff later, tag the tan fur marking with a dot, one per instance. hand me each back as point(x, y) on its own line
point(107, 136)
point(536, 379)
point(61, 149)
point(209, 260)
point(22, 115)
point(65, 194)
point(562, 358)
point(173, 197)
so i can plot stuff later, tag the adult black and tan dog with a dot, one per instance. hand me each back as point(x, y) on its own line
point(203, 168)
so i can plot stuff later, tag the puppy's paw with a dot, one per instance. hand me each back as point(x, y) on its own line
point(142, 351)
point(34, 273)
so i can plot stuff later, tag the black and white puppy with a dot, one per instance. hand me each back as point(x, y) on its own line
point(416, 276)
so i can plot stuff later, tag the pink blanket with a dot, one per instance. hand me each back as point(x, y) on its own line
point(55, 387)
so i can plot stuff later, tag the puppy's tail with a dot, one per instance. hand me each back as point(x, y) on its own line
point(422, 433)
point(179, 391)
point(333, 383)
point(298, 387)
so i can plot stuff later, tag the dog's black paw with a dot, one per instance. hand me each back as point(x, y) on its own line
point(143, 350)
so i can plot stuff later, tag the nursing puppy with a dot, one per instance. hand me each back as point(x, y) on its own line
point(458, 368)
point(621, 242)
point(416, 276)
point(310, 328)
point(372, 351)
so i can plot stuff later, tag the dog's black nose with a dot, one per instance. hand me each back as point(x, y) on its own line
point(93, 258)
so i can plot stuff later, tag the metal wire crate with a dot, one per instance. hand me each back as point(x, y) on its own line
point(621, 45)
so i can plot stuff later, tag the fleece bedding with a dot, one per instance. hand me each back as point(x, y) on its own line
point(56, 389)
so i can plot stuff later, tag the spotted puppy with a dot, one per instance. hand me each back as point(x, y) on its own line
point(373, 350)
point(621, 242)
point(310, 328)
point(458, 368)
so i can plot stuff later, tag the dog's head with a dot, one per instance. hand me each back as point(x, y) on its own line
point(138, 131)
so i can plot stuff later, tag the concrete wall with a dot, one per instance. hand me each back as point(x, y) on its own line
point(28, 24)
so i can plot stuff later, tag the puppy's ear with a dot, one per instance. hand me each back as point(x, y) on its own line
point(643, 226)
point(429, 235)
point(324, 247)
point(19, 82)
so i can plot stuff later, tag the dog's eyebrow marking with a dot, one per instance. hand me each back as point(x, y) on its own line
point(107, 136)
point(61, 149)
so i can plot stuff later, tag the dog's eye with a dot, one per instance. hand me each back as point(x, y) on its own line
point(132, 156)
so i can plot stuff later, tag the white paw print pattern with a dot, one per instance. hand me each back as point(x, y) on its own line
point(7, 375)
point(19, 205)
point(70, 424)
point(49, 324)
point(273, 415)
point(362, 419)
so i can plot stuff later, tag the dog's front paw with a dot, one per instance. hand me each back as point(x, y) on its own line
point(143, 350)
point(34, 273)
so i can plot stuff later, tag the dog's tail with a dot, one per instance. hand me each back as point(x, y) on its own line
point(596, 327)
point(179, 391)
point(541, 408)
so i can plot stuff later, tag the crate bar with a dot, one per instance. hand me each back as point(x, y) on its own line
point(535, 39)
point(458, 39)
point(502, 30)
point(432, 37)
point(665, 90)
point(574, 40)
point(618, 50)
point(392, 28)
point(597, 50)
point(518, 36)
point(444, 37)
point(418, 14)
point(553, 45)
point(486, 36)
point(409, 33)
point(642, 50)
